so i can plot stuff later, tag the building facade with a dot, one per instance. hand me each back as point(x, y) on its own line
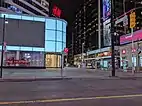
point(30, 7)
point(84, 29)
point(33, 41)
point(90, 22)
point(130, 53)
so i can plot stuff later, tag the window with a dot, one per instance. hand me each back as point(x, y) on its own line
point(0, 47)
point(59, 36)
point(59, 47)
point(38, 49)
point(64, 26)
point(50, 46)
point(59, 25)
point(39, 19)
point(26, 48)
point(12, 47)
point(50, 35)
point(64, 45)
point(27, 18)
point(64, 37)
point(14, 16)
point(2, 15)
point(134, 61)
point(50, 24)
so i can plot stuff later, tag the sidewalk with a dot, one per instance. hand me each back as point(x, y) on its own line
point(68, 73)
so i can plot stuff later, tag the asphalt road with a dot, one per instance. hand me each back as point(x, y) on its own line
point(75, 92)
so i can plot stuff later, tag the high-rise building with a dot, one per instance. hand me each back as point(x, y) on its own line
point(84, 28)
point(31, 7)
point(86, 31)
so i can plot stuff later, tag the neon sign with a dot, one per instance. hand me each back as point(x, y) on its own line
point(56, 11)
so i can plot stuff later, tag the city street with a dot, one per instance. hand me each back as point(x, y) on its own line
point(72, 92)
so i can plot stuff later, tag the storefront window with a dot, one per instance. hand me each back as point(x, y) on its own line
point(26, 59)
point(141, 61)
point(134, 61)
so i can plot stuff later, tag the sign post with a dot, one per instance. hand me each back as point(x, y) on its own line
point(132, 25)
point(65, 51)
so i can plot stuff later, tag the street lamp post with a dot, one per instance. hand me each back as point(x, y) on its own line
point(3, 38)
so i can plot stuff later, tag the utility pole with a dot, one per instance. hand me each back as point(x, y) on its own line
point(3, 38)
point(112, 38)
point(99, 23)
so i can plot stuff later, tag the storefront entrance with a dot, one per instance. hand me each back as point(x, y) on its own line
point(52, 60)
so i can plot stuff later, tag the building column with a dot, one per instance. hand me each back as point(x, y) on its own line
point(17, 56)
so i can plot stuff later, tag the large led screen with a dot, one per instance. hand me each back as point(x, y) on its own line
point(23, 33)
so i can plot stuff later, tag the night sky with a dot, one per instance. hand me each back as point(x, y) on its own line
point(68, 8)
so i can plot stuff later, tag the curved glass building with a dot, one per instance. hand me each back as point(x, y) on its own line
point(32, 41)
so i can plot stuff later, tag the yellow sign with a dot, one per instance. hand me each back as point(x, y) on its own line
point(132, 20)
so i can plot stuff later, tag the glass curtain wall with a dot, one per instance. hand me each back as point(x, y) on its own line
point(55, 42)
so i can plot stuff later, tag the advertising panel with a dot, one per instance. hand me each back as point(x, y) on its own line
point(106, 9)
point(128, 38)
point(23, 33)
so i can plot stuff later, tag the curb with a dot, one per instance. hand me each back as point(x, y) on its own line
point(32, 79)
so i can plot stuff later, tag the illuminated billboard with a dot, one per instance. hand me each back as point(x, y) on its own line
point(106, 9)
point(128, 38)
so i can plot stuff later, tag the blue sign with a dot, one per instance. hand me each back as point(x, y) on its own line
point(15, 9)
point(106, 9)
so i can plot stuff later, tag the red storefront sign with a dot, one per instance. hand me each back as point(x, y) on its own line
point(56, 11)
point(13, 62)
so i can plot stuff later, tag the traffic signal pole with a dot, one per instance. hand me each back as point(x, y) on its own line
point(112, 38)
point(2, 51)
point(132, 25)
point(133, 67)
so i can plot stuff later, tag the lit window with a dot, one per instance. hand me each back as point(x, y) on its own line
point(38, 49)
point(30, 18)
point(14, 16)
point(39, 19)
point(12, 47)
point(50, 24)
point(26, 48)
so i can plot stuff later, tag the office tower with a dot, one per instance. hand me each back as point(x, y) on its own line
point(30, 7)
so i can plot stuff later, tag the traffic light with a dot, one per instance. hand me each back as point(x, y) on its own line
point(132, 20)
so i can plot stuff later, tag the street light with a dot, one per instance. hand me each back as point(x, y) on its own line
point(3, 39)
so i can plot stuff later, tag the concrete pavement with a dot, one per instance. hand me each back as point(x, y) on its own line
point(34, 74)
point(75, 92)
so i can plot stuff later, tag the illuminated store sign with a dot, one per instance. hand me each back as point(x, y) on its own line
point(56, 11)
point(106, 9)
